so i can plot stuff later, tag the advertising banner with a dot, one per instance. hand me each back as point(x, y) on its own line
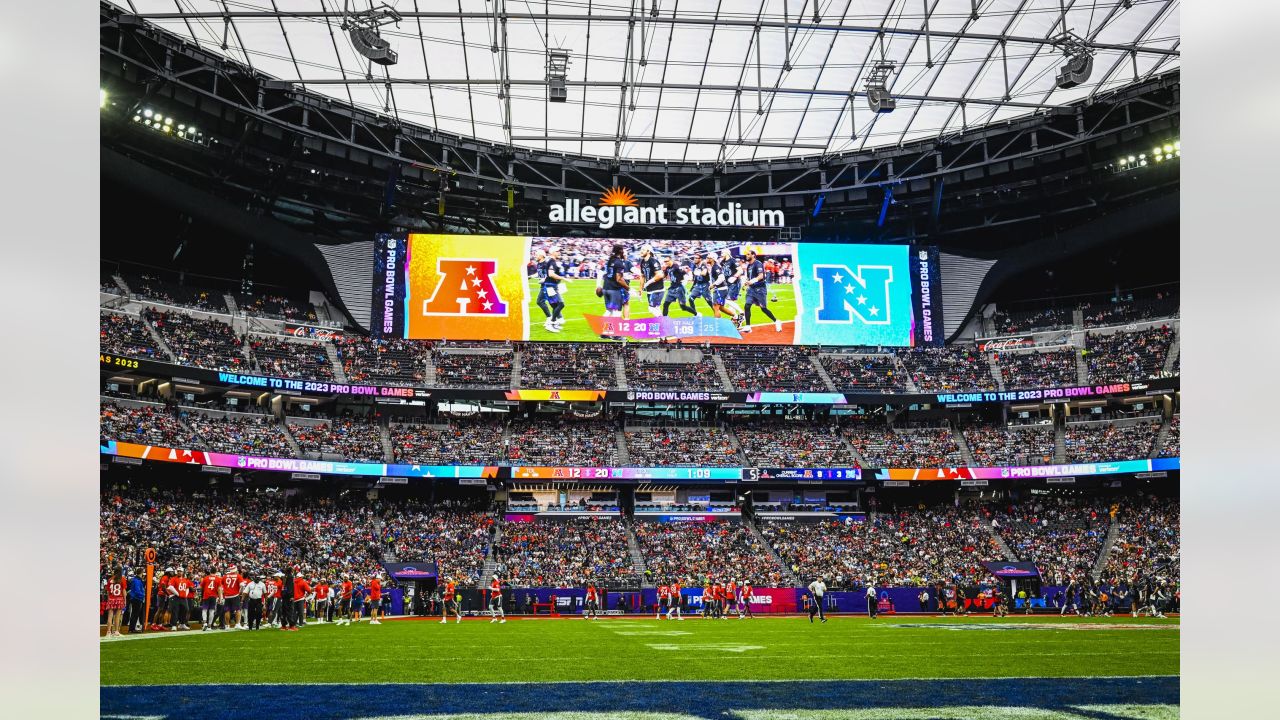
point(887, 476)
point(927, 296)
point(388, 286)
point(297, 385)
point(312, 331)
point(1010, 569)
point(506, 288)
point(411, 571)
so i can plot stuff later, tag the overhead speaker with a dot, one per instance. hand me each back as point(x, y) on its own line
point(880, 100)
point(371, 45)
point(1076, 71)
point(557, 90)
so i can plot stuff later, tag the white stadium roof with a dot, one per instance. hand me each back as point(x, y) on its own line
point(692, 80)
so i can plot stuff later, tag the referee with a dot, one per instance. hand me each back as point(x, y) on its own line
point(817, 589)
point(871, 600)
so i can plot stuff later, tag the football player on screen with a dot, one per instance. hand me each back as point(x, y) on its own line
point(551, 274)
point(734, 271)
point(757, 291)
point(616, 288)
point(652, 272)
point(719, 291)
point(675, 288)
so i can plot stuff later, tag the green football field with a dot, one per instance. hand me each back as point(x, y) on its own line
point(615, 649)
point(580, 299)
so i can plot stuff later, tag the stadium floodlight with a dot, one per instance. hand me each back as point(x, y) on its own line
point(146, 113)
point(102, 98)
point(1079, 60)
point(557, 75)
point(877, 85)
point(362, 27)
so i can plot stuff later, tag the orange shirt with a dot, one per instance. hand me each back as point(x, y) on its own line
point(450, 589)
point(300, 588)
point(182, 586)
point(375, 589)
point(322, 592)
point(230, 584)
point(346, 589)
point(209, 586)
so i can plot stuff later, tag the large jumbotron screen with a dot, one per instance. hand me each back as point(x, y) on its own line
point(484, 287)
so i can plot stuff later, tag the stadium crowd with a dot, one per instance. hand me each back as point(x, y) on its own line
point(562, 443)
point(1094, 442)
point(681, 447)
point(455, 537)
point(238, 434)
point(392, 361)
point(863, 373)
point(486, 370)
point(1173, 439)
point(947, 369)
point(698, 551)
point(771, 369)
point(1148, 541)
point(1037, 369)
point(202, 343)
point(354, 439)
point(126, 335)
point(993, 446)
point(793, 444)
point(289, 358)
point(1062, 535)
point(567, 554)
point(912, 547)
point(701, 375)
point(567, 365)
point(906, 447)
point(1124, 356)
point(463, 441)
point(150, 424)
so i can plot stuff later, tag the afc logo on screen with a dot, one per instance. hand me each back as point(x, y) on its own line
point(465, 287)
point(845, 294)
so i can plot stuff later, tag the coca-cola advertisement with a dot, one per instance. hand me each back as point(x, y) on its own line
point(311, 331)
point(1006, 343)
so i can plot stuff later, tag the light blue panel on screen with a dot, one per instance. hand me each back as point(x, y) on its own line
point(853, 294)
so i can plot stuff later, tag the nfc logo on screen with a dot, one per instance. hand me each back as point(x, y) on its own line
point(845, 294)
point(465, 287)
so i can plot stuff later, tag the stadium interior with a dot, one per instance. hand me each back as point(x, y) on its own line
point(1016, 451)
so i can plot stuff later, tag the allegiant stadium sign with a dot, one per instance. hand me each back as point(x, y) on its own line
point(618, 206)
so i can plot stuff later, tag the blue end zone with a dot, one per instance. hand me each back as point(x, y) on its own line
point(707, 700)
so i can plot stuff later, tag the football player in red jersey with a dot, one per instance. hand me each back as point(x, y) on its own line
point(232, 583)
point(664, 601)
point(375, 599)
point(210, 594)
point(322, 600)
point(744, 605)
point(179, 596)
point(731, 598)
point(495, 601)
point(344, 601)
point(673, 600)
point(592, 608)
point(273, 599)
point(450, 601)
point(160, 594)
